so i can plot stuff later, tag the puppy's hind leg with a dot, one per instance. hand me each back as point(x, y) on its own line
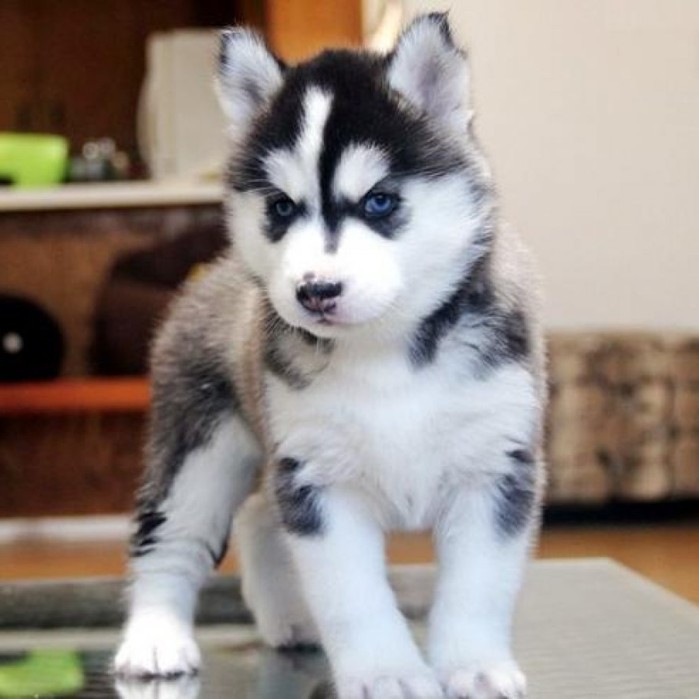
point(271, 587)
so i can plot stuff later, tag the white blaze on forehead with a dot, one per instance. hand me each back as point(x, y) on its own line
point(360, 168)
point(295, 171)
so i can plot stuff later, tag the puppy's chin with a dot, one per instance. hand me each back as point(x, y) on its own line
point(328, 327)
point(326, 331)
point(331, 326)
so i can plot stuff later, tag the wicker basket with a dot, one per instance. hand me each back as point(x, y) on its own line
point(623, 420)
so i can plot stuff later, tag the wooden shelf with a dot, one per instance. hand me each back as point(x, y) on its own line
point(130, 394)
point(112, 195)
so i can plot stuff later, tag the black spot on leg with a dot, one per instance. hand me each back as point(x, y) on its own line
point(144, 539)
point(516, 494)
point(299, 504)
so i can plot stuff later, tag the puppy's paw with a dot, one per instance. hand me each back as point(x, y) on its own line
point(407, 685)
point(502, 680)
point(157, 648)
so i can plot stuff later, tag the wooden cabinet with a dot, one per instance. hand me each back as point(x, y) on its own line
point(71, 447)
point(18, 68)
point(74, 445)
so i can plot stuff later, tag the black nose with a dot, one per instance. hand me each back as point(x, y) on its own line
point(318, 295)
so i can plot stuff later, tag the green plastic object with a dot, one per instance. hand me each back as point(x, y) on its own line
point(33, 160)
point(42, 673)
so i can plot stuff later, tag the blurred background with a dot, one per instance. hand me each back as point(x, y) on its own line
point(111, 148)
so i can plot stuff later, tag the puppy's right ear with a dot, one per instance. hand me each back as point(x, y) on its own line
point(248, 76)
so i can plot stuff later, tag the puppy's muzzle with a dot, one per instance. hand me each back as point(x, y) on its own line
point(318, 295)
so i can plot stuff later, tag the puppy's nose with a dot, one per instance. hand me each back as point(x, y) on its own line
point(318, 295)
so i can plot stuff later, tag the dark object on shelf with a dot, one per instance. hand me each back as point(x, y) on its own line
point(31, 342)
point(136, 293)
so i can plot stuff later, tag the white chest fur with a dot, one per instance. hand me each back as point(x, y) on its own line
point(402, 436)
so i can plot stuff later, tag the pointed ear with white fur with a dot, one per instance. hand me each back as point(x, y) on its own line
point(432, 73)
point(248, 76)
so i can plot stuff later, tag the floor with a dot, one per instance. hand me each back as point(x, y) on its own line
point(667, 553)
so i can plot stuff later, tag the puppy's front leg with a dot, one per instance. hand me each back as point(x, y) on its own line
point(482, 544)
point(337, 547)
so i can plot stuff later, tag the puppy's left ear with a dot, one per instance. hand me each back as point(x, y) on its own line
point(248, 76)
point(432, 73)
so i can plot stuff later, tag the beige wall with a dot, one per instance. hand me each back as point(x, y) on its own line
point(589, 110)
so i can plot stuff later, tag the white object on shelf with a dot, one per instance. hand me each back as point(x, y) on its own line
point(181, 127)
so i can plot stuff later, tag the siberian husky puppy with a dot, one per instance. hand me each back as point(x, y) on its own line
point(367, 357)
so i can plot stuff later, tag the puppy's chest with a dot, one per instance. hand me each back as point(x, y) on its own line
point(392, 432)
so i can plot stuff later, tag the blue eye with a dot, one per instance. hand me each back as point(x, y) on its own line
point(379, 205)
point(284, 208)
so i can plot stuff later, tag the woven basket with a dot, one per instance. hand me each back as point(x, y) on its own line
point(623, 419)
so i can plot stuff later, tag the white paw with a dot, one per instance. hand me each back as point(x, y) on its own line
point(407, 685)
point(503, 680)
point(157, 650)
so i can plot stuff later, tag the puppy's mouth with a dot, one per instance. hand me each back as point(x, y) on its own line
point(326, 317)
point(322, 312)
point(336, 320)
point(329, 316)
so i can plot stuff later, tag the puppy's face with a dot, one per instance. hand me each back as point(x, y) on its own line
point(355, 195)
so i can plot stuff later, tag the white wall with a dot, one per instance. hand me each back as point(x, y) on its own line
point(589, 110)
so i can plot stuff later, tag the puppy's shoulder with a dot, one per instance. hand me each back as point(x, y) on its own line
point(208, 312)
